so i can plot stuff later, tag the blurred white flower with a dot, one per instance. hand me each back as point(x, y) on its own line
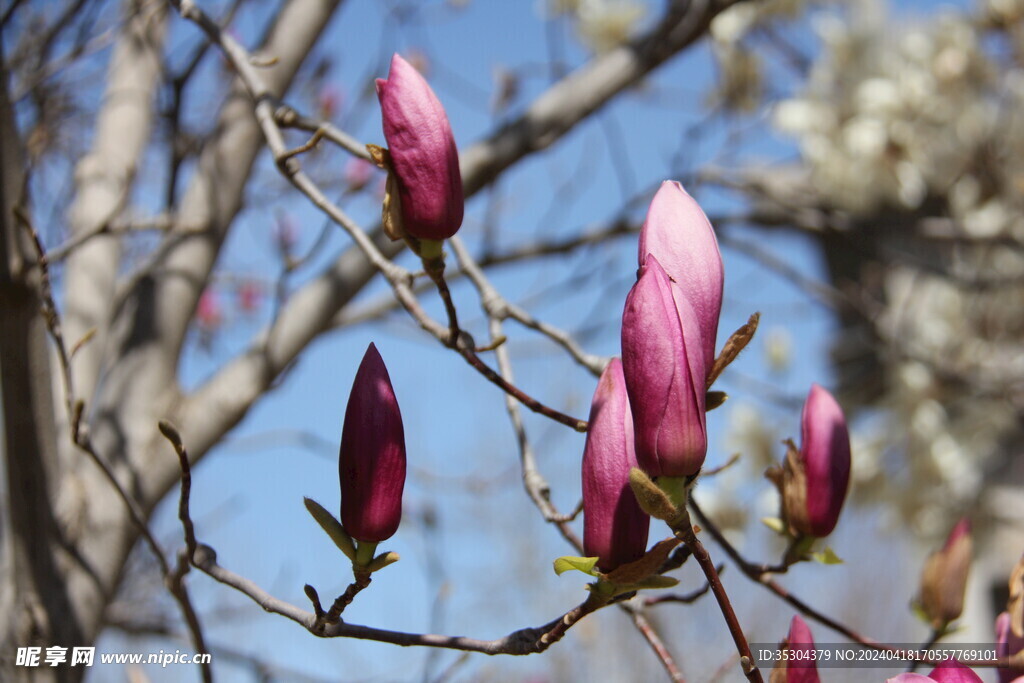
point(733, 23)
point(865, 136)
point(606, 24)
point(799, 116)
point(778, 348)
point(988, 220)
point(878, 96)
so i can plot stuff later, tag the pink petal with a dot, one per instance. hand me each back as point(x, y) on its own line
point(680, 236)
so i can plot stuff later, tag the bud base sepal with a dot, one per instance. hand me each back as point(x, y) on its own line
point(332, 527)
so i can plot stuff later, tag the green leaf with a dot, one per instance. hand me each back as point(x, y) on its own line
point(827, 556)
point(580, 564)
point(382, 560)
point(333, 528)
point(775, 524)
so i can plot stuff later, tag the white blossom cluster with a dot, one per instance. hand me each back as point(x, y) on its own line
point(913, 128)
point(601, 24)
point(909, 131)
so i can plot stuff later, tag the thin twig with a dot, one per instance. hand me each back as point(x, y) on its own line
point(657, 645)
point(936, 636)
point(683, 529)
point(333, 615)
point(434, 268)
point(286, 117)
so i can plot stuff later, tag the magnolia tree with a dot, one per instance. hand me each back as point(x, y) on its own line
point(130, 209)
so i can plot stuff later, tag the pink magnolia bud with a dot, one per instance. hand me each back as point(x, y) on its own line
point(944, 578)
point(614, 526)
point(665, 372)
point(423, 153)
point(825, 453)
point(372, 457)
point(1007, 645)
point(208, 311)
point(949, 671)
point(680, 236)
point(800, 666)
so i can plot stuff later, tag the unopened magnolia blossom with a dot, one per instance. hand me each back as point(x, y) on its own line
point(669, 328)
point(663, 362)
point(614, 526)
point(371, 461)
point(800, 666)
point(814, 479)
point(679, 235)
point(423, 157)
point(944, 578)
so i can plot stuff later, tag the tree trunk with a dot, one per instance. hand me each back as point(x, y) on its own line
point(37, 610)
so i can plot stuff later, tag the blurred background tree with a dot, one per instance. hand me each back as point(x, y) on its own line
point(859, 160)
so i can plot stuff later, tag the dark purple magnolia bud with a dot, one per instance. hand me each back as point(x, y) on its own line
point(372, 458)
point(423, 155)
point(949, 671)
point(944, 578)
point(1008, 644)
point(663, 362)
point(680, 236)
point(812, 481)
point(825, 455)
point(800, 666)
point(614, 526)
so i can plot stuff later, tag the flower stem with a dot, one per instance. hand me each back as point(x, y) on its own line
point(683, 529)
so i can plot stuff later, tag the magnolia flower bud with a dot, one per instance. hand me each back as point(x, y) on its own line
point(813, 480)
point(680, 236)
point(825, 451)
point(372, 457)
point(614, 526)
point(423, 156)
point(665, 372)
point(944, 578)
point(800, 667)
point(1008, 644)
point(949, 671)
